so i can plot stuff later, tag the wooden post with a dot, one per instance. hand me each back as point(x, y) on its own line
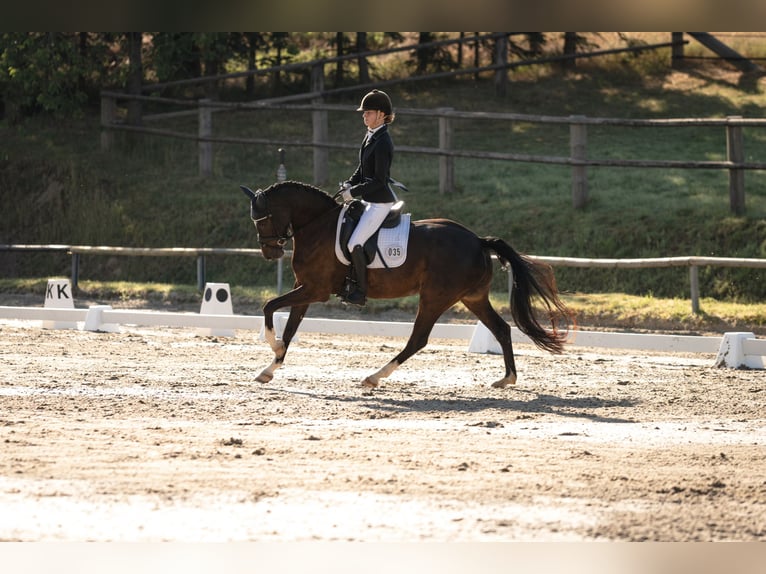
point(735, 152)
point(694, 288)
point(677, 51)
point(578, 146)
point(321, 130)
point(108, 117)
point(446, 162)
point(75, 270)
point(201, 273)
point(205, 130)
point(501, 59)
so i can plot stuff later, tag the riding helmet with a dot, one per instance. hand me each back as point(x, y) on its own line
point(376, 100)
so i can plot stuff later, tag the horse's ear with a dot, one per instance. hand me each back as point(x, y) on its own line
point(248, 192)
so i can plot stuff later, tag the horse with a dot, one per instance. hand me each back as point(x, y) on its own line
point(446, 263)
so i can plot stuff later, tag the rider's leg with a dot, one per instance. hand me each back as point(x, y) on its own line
point(355, 291)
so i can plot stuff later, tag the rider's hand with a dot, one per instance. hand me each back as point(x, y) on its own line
point(346, 193)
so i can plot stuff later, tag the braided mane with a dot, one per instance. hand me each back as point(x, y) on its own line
point(314, 191)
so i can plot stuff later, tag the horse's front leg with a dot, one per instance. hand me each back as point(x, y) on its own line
point(279, 346)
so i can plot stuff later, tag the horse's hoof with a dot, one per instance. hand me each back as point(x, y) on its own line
point(502, 383)
point(264, 377)
point(368, 383)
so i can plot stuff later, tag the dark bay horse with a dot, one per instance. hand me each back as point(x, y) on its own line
point(446, 263)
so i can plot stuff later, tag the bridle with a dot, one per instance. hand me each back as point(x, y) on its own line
point(275, 240)
point(260, 213)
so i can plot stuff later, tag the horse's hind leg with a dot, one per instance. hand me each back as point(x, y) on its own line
point(424, 322)
point(482, 308)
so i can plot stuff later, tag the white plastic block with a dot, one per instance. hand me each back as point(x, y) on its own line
point(732, 352)
point(483, 341)
point(94, 320)
point(216, 300)
point(280, 321)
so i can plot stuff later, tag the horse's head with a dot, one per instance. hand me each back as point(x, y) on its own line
point(274, 229)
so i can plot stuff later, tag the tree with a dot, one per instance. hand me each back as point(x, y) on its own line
point(54, 72)
point(135, 75)
point(424, 53)
point(279, 42)
point(432, 58)
point(570, 49)
point(215, 49)
point(361, 47)
point(340, 38)
point(175, 56)
point(253, 41)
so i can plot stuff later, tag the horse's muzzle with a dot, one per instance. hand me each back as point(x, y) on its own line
point(272, 252)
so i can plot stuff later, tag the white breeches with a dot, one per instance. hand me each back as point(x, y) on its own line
point(373, 216)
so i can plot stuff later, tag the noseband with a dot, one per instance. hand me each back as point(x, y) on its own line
point(275, 240)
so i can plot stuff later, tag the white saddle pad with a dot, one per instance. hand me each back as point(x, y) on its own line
point(392, 244)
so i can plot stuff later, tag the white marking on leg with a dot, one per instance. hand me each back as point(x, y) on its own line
point(278, 346)
point(372, 381)
point(271, 338)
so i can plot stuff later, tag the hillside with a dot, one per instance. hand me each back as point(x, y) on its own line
point(58, 187)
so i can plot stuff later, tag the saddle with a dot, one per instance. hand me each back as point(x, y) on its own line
point(351, 218)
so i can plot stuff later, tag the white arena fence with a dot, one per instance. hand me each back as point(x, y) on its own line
point(736, 350)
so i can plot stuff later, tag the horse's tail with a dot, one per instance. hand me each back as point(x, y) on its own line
point(531, 279)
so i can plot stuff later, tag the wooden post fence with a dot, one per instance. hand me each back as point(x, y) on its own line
point(578, 146)
point(320, 129)
point(446, 162)
point(501, 59)
point(735, 152)
point(578, 159)
point(692, 262)
point(694, 288)
point(205, 130)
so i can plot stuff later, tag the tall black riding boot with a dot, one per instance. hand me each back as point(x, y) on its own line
point(357, 294)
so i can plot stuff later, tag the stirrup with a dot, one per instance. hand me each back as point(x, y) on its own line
point(352, 294)
point(355, 298)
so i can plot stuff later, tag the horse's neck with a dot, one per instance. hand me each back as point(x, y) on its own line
point(308, 206)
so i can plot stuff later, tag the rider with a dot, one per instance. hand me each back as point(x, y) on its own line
point(371, 183)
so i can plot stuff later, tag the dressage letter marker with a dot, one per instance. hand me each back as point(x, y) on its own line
point(58, 295)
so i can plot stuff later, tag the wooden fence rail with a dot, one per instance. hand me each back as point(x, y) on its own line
point(578, 159)
point(692, 262)
point(320, 144)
